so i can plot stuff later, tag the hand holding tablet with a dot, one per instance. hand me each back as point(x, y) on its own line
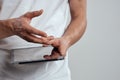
point(33, 55)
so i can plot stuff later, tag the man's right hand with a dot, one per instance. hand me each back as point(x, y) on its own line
point(21, 27)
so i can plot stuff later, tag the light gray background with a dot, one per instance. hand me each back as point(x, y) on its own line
point(97, 55)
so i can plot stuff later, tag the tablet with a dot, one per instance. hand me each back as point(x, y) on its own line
point(32, 55)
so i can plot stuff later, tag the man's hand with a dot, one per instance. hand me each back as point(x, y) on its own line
point(60, 47)
point(74, 31)
point(21, 26)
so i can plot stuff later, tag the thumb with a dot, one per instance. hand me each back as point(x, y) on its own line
point(33, 14)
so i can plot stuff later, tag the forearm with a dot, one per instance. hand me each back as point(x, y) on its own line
point(78, 22)
point(4, 30)
point(75, 31)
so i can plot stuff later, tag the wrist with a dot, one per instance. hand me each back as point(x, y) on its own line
point(67, 40)
point(7, 26)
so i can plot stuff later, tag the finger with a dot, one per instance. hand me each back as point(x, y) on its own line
point(54, 55)
point(33, 14)
point(50, 37)
point(47, 40)
point(47, 57)
point(31, 38)
point(51, 42)
point(54, 43)
point(36, 31)
point(42, 40)
point(47, 43)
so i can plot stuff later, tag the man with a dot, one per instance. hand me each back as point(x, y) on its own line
point(59, 23)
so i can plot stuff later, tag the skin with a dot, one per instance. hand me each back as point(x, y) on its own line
point(74, 31)
point(20, 27)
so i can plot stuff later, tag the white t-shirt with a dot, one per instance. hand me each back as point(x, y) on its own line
point(53, 21)
point(55, 70)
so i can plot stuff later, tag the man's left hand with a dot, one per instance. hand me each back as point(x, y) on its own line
point(60, 47)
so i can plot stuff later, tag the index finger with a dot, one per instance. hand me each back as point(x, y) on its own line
point(36, 31)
